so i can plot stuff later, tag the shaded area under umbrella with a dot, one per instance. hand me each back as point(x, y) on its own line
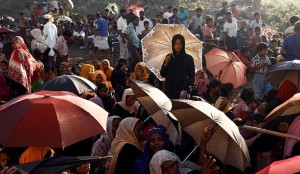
point(49, 119)
point(57, 165)
point(72, 83)
point(226, 143)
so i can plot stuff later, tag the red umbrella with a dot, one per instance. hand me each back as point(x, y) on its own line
point(287, 166)
point(233, 70)
point(136, 9)
point(49, 119)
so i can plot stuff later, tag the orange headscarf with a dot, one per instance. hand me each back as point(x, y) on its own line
point(35, 154)
point(109, 69)
point(85, 70)
point(144, 76)
point(286, 90)
point(93, 76)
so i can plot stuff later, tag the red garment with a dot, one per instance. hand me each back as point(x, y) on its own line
point(255, 40)
point(286, 90)
point(39, 12)
point(243, 58)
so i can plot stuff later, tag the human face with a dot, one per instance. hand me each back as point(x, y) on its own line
point(140, 70)
point(136, 22)
point(115, 126)
point(103, 92)
point(99, 78)
point(229, 18)
point(130, 100)
point(170, 167)
point(175, 13)
point(178, 45)
point(156, 142)
point(4, 160)
point(257, 17)
point(138, 131)
point(263, 52)
point(216, 90)
point(199, 13)
point(210, 23)
point(200, 75)
point(257, 32)
point(104, 65)
point(181, 9)
point(63, 71)
point(124, 14)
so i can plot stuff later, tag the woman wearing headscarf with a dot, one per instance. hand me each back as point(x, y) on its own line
point(128, 106)
point(286, 90)
point(104, 99)
point(106, 68)
point(140, 72)
point(21, 66)
point(40, 43)
point(102, 145)
point(178, 69)
point(201, 82)
point(36, 153)
point(126, 147)
point(99, 77)
point(86, 69)
point(157, 140)
point(118, 77)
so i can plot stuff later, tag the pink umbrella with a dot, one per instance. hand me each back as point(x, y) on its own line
point(287, 166)
point(136, 9)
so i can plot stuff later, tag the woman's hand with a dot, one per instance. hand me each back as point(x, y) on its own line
point(209, 166)
point(84, 169)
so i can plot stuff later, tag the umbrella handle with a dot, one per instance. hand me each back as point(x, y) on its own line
point(191, 153)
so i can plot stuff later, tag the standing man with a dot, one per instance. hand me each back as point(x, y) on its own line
point(101, 40)
point(50, 33)
point(197, 22)
point(230, 29)
point(130, 15)
point(290, 29)
point(290, 49)
point(122, 25)
point(255, 23)
point(61, 47)
point(141, 27)
point(183, 16)
point(134, 44)
point(174, 19)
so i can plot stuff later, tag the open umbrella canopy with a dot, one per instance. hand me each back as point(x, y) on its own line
point(63, 18)
point(233, 70)
point(226, 143)
point(287, 166)
point(157, 104)
point(58, 164)
point(116, 8)
point(289, 107)
point(71, 83)
point(136, 9)
point(157, 44)
point(49, 119)
point(287, 70)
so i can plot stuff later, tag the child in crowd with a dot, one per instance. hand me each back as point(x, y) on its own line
point(244, 55)
point(201, 82)
point(246, 105)
point(147, 29)
point(274, 47)
point(243, 35)
point(259, 65)
point(271, 57)
point(256, 39)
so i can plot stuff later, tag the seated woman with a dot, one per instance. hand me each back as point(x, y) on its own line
point(128, 106)
point(140, 72)
point(157, 140)
point(106, 68)
point(102, 145)
point(98, 77)
point(223, 102)
point(86, 69)
point(201, 82)
point(213, 92)
point(36, 153)
point(126, 147)
point(102, 92)
point(246, 105)
point(119, 77)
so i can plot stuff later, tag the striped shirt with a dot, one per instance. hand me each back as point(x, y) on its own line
point(259, 60)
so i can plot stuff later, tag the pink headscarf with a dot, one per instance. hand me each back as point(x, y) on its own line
point(201, 83)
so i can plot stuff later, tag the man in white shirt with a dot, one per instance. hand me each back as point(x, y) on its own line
point(230, 29)
point(290, 29)
point(122, 25)
point(50, 33)
point(141, 27)
point(169, 13)
point(255, 23)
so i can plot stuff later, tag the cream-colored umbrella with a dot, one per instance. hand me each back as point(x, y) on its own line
point(226, 143)
point(158, 43)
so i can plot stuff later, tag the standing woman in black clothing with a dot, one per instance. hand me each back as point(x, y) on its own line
point(178, 69)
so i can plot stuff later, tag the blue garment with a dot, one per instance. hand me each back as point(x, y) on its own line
point(291, 47)
point(182, 15)
point(141, 165)
point(261, 86)
point(102, 27)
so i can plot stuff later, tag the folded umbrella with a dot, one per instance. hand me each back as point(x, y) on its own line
point(49, 119)
point(226, 143)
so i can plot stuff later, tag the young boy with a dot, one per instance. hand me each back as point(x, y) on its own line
point(243, 35)
point(255, 23)
point(147, 29)
point(259, 65)
point(256, 39)
point(230, 29)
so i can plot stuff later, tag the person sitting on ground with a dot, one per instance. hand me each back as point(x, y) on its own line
point(246, 104)
point(140, 72)
point(212, 93)
point(86, 69)
point(223, 102)
point(102, 92)
point(119, 77)
point(244, 55)
point(201, 82)
point(36, 153)
point(106, 68)
point(4, 159)
point(128, 106)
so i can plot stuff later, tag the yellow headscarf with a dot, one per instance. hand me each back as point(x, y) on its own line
point(85, 70)
point(124, 135)
point(144, 76)
point(109, 69)
point(34, 154)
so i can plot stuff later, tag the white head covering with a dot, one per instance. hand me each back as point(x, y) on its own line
point(159, 158)
point(122, 103)
point(124, 135)
point(37, 35)
point(47, 16)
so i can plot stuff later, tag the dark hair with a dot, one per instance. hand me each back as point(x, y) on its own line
point(212, 84)
point(122, 10)
point(274, 40)
point(98, 15)
point(120, 63)
point(208, 19)
point(106, 10)
point(247, 94)
point(67, 33)
point(134, 18)
point(228, 13)
point(165, 21)
point(5, 62)
point(232, 5)
point(257, 28)
point(175, 9)
point(256, 13)
point(181, 38)
point(199, 9)
point(37, 54)
point(225, 89)
point(261, 46)
point(271, 95)
point(244, 50)
point(294, 19)
point(270, 51)
point(146, 23)
point(169, 7)
point(99, 86)
point(142, 12)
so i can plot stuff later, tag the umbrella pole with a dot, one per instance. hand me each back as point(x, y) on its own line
point(278, 134)
point(191, 153)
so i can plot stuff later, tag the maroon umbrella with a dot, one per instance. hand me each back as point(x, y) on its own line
point(49, 119)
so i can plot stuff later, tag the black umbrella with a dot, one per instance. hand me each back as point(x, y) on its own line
point(71, 83)
point(288, 70)
point(56, 165)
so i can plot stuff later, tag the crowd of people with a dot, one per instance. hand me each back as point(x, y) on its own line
point(138, 144)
